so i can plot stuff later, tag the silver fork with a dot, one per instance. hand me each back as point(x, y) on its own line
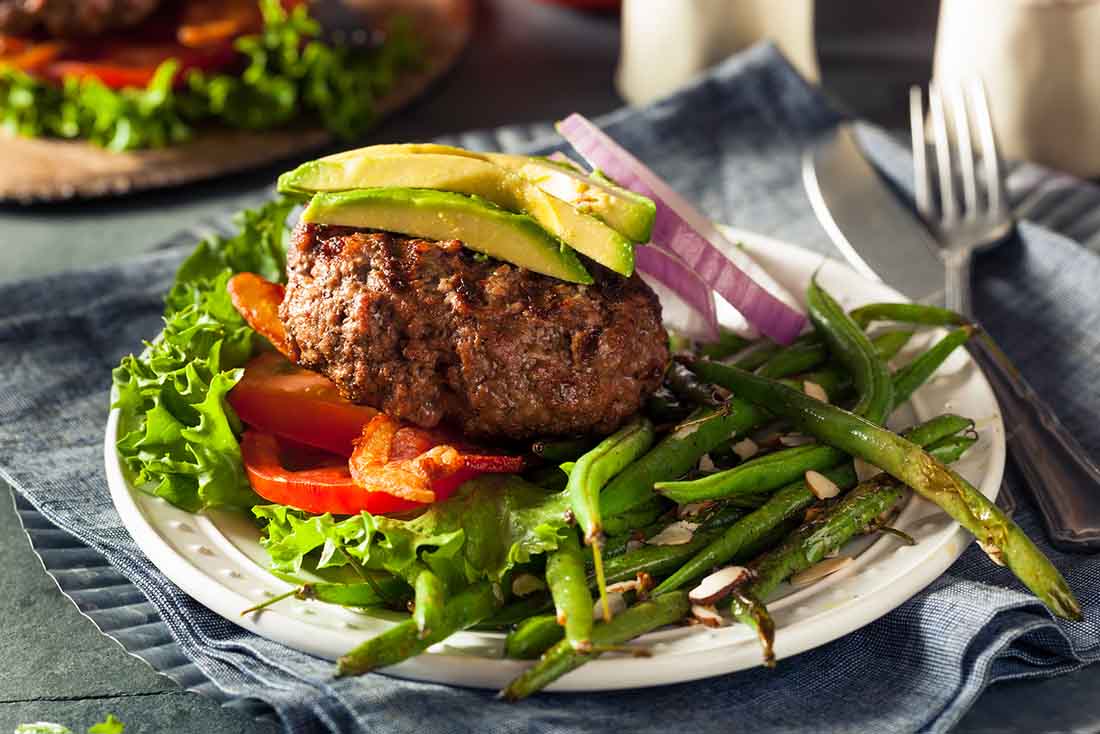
point(1064, 481)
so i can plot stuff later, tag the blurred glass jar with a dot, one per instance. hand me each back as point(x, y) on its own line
point(1040, 62)
point(667, 42)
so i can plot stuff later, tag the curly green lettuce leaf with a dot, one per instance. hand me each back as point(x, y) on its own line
point(490, 525)
point(178, 435)
point(258, 247)
point(123, 119)
point(288, 71)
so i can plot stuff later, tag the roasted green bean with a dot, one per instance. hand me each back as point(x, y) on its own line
point(796, 358)
point(678, 452)
point(851, 347)
point(593, 470)
point(907, 313)
point(567, 449)
point(402, 641)
point(532, 637)
point(569, 588)
point(910, 377)
point(787, 503)
point(998, 535)
point(729, 343)
point(562, 658)
point(685, 385)
point(806, 546)
point(635, 518)
point(428, 606)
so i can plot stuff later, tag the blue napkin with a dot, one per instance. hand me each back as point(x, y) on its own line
point(730, 142)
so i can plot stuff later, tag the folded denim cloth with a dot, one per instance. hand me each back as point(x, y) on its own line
point(730, 142)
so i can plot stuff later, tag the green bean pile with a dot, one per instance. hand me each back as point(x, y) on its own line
point(736, 460)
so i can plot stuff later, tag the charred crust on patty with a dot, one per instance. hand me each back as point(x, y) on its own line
point(430, 332)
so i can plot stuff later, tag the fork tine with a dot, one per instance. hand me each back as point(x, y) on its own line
point(967, 163)
point(949, 207)
point(921, 184)
point(991, 157)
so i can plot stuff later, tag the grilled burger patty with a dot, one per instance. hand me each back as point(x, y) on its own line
point(67, 18)
point(431, 332)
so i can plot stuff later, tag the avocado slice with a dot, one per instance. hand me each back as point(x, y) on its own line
point(368, 168)
point(624, 211)
point(628, 213)
point(443, 215)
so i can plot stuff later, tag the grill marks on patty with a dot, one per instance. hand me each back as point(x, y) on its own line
point(430, 332)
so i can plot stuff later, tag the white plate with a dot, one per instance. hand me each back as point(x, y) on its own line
point(217, 559)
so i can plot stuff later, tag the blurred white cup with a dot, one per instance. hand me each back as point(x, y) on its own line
point(667, 42)
point(1040, 62)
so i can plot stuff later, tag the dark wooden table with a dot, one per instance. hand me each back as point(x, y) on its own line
point(528, 63)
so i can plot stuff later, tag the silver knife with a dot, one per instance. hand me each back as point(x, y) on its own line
point(878, 237)
point(885, 241)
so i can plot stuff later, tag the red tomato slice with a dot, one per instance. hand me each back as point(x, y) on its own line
point(200, 36)
point(121, 64)
point(278, 397)
point(318, 490)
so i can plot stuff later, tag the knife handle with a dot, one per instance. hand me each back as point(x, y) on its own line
point(1064, 481)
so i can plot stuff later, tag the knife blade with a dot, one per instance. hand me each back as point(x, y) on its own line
point(879, 237)
point(876, 234)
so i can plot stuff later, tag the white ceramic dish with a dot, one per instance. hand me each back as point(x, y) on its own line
point(217, 559)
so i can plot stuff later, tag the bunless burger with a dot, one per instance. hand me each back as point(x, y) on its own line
point(72, 18)
point(447, 287)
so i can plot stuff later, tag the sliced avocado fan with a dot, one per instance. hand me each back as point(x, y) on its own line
point(422, 167)
point(628, 213)
point(444, 215)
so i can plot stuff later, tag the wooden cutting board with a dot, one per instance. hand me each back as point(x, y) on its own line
point(40, 170)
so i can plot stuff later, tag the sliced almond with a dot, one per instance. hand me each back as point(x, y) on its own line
point(796, 439)
point(633, 545)
point(745, 449)
point(822, 487)
point(692, 509)
point(621, 587)
point(526, 583)
point(677, 533)
point(820, 570)
point(993, 552)
point(718, 585)
point(615, 600)
point(706, 464)
point(865, 471)
point(812, 513)
point(815, 391)
point(706, 615)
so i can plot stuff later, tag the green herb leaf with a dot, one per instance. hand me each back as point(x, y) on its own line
point(288, 72)
point(490, 525)
point(178, 433)
point(110, 726)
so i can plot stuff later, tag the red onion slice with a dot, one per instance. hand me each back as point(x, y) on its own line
point(671, 272)
point(684, 230)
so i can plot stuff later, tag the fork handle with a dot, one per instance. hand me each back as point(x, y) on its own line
point(957, 291)
point(1064, 481)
